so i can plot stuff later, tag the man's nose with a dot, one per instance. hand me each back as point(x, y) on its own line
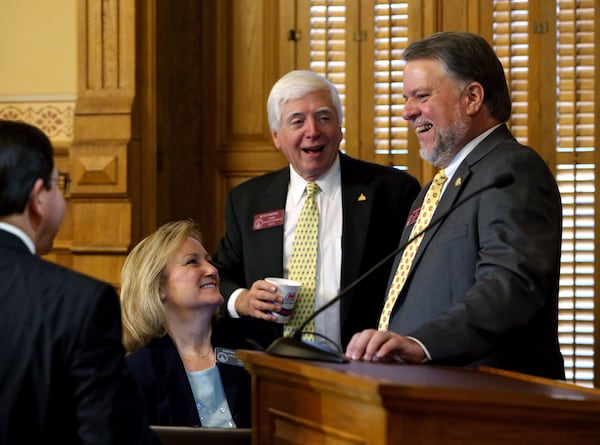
point(410, 110)
point(312, 128)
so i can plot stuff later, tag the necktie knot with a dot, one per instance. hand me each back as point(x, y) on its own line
point(312, 188)
point(440, 178)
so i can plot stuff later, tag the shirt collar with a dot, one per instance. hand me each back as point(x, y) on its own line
point(464, 152)
point(326, 182)
point(20, 234)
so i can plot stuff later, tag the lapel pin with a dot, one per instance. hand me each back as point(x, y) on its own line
point(362, 197)
point(458, 182)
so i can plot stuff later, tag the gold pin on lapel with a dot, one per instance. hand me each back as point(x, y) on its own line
point(362, 197)
point(458, 182)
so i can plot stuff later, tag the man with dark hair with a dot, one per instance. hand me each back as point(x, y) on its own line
point(62, 368)
point(481, 286)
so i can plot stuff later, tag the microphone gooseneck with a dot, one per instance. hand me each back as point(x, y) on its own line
point(293, 346)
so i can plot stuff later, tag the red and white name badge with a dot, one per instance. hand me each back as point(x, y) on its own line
point(266, 220)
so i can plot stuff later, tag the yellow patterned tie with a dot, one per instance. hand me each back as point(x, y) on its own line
point(303, 262)
point(432, 197)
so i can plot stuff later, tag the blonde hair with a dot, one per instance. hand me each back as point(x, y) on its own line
point(142, 311)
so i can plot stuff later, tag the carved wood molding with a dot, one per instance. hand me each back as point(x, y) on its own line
point(103, 132)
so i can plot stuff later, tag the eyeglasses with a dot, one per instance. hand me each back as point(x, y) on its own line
point(63, 181)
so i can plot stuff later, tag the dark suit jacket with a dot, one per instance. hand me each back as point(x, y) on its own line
point(371, 230)
point(483, 288)
point(168, 398)
point(63, 376)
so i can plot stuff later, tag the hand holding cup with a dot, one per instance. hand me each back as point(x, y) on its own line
point(288, 289)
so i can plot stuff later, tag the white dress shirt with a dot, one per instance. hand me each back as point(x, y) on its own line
point(329, 262)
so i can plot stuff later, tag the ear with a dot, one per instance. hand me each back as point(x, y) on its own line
point(275, 136)
point(474, 96)
point(37, 200)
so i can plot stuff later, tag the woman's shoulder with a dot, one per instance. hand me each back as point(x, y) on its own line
point(155, 353)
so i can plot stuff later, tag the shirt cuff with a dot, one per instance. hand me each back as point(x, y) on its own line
point(427, 355)
point(231, 302)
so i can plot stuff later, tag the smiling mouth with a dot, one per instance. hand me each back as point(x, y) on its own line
point(208, 286)
point(423, 128)
point(313, 149)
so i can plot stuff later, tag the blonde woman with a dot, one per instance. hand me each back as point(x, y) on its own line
point(170, 299)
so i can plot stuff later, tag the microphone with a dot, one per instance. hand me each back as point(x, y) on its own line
point(293, 346)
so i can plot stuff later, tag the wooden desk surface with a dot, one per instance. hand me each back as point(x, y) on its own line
point(376, 403)
point(435, 382)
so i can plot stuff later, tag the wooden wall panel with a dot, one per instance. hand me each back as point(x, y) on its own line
point(248, 58)
point(252, 54)
point(248, 44)
point(104, 267)
point(182, 102)
point(101, 226)
point(171, 113)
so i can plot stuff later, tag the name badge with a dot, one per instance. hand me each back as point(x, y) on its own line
point(227, 357)
point(266, 220)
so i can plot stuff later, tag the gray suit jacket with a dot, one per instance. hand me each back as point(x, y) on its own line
point(371, 230)
point(483, 288)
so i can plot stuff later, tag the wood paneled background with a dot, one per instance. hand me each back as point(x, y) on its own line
point(171, 113)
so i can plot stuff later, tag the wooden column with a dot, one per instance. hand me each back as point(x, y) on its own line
point(113, 153)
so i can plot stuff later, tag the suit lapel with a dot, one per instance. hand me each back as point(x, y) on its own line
point(446, 202)
point(456, 183)
point(271, 239)
point(357, 203)
point(178, 400)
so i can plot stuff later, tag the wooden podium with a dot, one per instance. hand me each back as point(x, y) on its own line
point(310, 403)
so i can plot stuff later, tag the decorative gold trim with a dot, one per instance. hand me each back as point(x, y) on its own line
point(55, 119)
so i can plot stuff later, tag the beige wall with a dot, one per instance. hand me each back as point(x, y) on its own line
point(38, 65)
point(38, 76)
point(38, 48)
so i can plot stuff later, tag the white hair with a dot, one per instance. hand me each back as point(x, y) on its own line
point(294, 85)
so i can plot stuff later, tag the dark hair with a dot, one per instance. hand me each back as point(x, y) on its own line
point(467, 57)
point(25, 156)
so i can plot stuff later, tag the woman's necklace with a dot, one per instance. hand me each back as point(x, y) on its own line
point(193, 354)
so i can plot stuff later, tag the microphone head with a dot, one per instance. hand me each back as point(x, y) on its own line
point(503, 180)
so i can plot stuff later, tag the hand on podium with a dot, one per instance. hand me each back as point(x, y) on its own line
point(384, 346)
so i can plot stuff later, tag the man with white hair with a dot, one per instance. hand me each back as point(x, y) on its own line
point(362, 208)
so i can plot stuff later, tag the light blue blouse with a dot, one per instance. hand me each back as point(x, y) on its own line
point(209, 395)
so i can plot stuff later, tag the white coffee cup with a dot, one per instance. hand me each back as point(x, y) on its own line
point(288, 289)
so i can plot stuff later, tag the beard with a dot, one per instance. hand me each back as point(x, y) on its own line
point(448, 142)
